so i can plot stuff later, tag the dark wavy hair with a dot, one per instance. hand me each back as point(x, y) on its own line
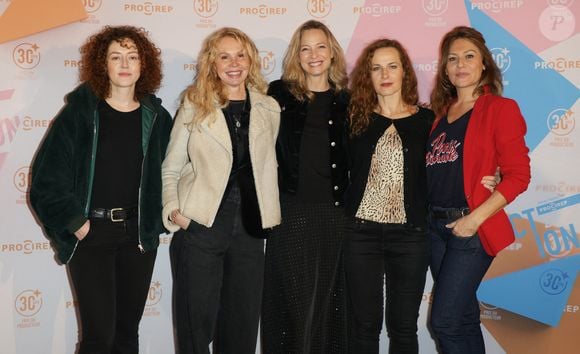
point(363, 96)
point(93, 69)
point(443, 91)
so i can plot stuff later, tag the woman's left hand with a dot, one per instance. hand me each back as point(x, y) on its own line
point(465, 226)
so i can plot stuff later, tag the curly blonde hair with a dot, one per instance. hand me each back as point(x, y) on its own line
point(294, 75)
point(364, 99)
point(207, 89)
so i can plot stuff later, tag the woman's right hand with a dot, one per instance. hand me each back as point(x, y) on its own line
point(83, 231)
point(179, 219)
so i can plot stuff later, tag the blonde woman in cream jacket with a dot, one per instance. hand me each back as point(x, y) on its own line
point(220, 191)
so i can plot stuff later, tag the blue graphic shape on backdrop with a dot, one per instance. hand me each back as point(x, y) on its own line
point(539, 293)
point(537, 91)
point(558, 204)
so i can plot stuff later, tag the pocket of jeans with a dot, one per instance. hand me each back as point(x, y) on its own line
point(89, 234)
point(352, 225)
point(194, 228)
point(466, 242)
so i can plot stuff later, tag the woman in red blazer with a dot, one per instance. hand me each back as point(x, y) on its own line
point(476, 131)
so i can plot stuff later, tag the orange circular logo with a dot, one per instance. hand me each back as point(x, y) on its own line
point(92, 5)
point(205, 8)
point(267, 62)
point(155, 293)
point(22, 179)
point(561, 121)
point(319, 8)
point(26, 55)
point(28, 302)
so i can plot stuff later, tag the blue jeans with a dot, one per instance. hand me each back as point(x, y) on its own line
point(457, 264)
point(397, 257)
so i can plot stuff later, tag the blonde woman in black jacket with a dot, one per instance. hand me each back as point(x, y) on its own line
point(304, 303)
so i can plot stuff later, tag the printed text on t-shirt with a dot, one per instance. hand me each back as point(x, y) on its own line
point(442, 151)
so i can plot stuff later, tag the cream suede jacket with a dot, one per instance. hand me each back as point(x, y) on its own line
point(198, 162)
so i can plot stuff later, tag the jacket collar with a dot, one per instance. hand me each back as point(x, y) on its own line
point(84, 95)
point(258, 98)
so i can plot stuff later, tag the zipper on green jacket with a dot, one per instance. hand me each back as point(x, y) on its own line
point(145, 145)
point(93, 158)
point(91, 173)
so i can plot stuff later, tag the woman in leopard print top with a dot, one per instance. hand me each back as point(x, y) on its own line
point(386, 237)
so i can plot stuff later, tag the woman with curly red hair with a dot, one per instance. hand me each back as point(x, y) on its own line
point(96, 185)
point(386, 242)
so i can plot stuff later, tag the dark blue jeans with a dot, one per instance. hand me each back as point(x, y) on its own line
point(218, 278)
point(397, 257)
point(457, 264)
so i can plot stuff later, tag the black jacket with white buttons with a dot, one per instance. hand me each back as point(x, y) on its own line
point(292, 120)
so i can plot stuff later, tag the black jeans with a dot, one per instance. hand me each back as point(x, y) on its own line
point(111, 279)
point(458, 265)
point(218, 279)
point(395, 256)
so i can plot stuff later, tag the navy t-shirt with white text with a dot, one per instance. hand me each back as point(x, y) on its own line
point(444, 162)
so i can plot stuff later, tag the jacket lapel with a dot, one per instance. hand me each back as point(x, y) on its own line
point(217, 128)
point(258, 122)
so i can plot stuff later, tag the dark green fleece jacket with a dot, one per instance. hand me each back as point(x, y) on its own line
point(63, 170)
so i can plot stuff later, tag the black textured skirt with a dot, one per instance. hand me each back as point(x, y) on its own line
point(304, 303)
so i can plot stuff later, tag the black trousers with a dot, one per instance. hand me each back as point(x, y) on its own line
point(111, 279)
point(395, 256)
point(218, 278)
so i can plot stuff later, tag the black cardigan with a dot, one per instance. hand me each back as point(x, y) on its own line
point(292, 120)
point(414, 131)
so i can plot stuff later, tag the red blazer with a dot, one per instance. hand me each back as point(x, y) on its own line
point(495, 137)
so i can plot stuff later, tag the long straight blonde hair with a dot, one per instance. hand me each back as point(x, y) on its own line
point(294, 75)
point(207, 89)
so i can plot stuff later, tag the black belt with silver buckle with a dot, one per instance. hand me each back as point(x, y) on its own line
point(114, 214)
point(449, 213)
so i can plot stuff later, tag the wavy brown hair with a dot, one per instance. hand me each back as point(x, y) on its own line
point(364, 99)
point(94, 60)
point(207, 89)
point(443, 91)
point(292, 72)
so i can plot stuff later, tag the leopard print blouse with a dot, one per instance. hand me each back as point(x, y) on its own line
point(383, 199)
